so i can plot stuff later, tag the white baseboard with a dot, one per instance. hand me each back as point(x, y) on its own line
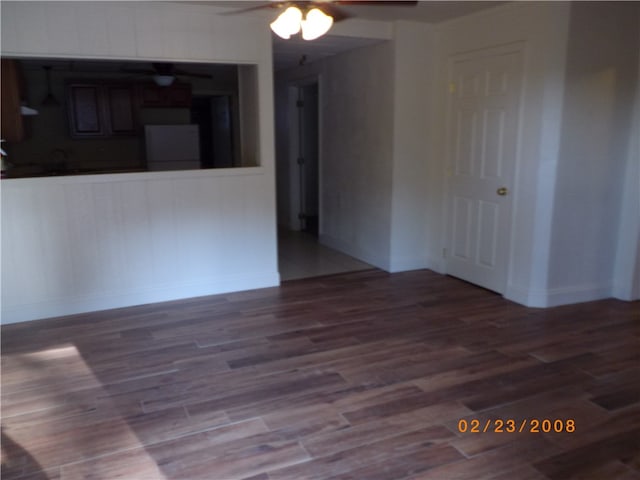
point(625, 292)
point(83, 304)
point(558, 296)
point(437, 264)
point(404, 264)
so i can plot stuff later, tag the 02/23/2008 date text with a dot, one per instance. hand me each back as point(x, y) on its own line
point(527, 425)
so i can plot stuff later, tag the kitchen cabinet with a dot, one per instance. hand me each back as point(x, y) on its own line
point(177, 95)
point(100, 110)
point(12, 124)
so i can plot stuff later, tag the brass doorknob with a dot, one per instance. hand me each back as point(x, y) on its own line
point(502, 191)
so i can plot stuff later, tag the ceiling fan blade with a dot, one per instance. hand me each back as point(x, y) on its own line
point(163, 68)
point(253, 8)
point(135, 71)
point(337, 13)
point(184, 73)
point(387, 3)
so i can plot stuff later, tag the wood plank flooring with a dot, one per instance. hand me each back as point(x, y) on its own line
point(364, 375)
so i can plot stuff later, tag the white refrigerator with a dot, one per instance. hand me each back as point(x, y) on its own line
point(172, 147)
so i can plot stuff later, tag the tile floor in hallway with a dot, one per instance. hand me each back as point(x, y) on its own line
point(300, 255)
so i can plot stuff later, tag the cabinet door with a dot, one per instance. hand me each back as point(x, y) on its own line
point(177, 95)
point(180, 96)
point(152, 96)
point(120, 110)
point(85, 111)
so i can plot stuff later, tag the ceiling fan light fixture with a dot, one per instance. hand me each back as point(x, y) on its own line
point(288, 23)
point(163, 80)
point(316, 24)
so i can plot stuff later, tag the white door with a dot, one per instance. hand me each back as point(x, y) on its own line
point(483, 138)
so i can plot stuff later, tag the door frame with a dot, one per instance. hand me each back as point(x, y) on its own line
point(511, 47)
point(293, 150)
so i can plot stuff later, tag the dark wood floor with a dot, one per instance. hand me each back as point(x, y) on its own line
point(357, 376)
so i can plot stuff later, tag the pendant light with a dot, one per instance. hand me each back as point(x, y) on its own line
point(313, 24)
point(316, 24)
point(287, 23)
point(163, 80)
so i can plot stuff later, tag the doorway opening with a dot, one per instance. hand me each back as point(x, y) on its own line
point(300, 253)
point(308, 157)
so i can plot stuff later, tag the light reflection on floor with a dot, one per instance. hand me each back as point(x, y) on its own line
point(65, 404)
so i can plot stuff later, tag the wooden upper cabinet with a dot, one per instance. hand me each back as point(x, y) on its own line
point(100, 110)
point(12, 124)
point(177, 95)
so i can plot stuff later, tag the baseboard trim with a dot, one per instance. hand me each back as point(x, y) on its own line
point(83, 304)
point(405, 264)
point(558, 296)
point(625, 292)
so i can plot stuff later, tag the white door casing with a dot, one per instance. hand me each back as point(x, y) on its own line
point(482, 133)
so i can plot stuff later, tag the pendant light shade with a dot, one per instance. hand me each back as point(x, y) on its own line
point(287, 23)
point(316, 24)
point(163, 80)
point(313, 25)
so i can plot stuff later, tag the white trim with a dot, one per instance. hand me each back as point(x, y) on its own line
point(558, 296)
point(406, 263)
point(132, 177)
point(110, 300)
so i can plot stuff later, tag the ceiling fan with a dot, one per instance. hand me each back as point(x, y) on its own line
point(164, 73)
point(315, 17)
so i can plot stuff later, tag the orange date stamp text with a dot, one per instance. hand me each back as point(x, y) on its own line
point(527, 425)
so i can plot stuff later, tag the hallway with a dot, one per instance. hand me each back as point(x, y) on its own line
point(301, 256)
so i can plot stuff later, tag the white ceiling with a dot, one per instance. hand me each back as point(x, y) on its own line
point(293, 52)
point(424, 11)
point(289, 53)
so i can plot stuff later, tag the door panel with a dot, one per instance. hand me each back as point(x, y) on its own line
point(492, 141)
point(462, 227)
point(482, 132)
point(488, 226)
point(467, 121)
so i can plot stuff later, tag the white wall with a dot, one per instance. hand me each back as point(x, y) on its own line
point(356, 163)
point(75, 244)
point(83, 243)
point(626, 279)
point(413, 142)
point(601, 85)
